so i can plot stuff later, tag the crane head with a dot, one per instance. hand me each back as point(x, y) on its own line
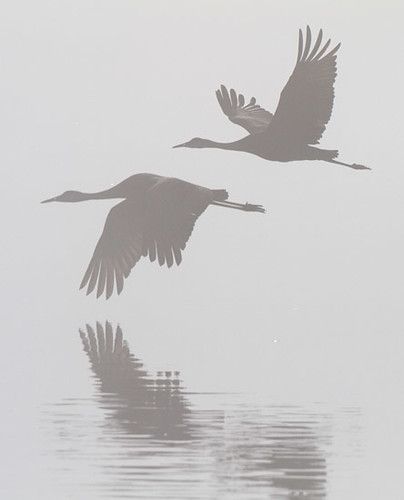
point(196, 142)
point(67, 196)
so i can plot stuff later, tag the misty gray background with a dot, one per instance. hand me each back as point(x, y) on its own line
point(302, 303)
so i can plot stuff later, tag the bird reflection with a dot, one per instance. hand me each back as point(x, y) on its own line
point(139, 403)
point(284, 453)
point(155, 219)
point(303, 111)
point(278, 449)
point(151, 435)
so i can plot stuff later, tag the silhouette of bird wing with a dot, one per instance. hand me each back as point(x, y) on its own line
point(173, 208)
point(158, 226)
point(306, 101)
point(118, 249)
point(250, 116)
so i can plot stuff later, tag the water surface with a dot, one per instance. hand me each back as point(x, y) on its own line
point(143, 435)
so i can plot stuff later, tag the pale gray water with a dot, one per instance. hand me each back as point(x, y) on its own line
point(142, 437)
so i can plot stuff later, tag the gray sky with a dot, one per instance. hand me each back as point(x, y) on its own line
point(94, 91)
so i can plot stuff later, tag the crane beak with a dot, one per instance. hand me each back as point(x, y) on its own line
point(180, 145)
point(49, 200)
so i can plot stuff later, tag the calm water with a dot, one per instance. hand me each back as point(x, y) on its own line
point(142, 435)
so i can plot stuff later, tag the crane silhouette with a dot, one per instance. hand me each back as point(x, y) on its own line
point(304, 109)
point(155, 219)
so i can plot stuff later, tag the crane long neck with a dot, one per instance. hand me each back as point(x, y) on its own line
point(222, 145)
point(101, 195)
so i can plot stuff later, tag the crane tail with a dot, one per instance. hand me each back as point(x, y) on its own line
point(321, 154)
point(220, 194)
point(329, 154)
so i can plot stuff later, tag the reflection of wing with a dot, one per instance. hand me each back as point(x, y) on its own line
point(282, 449)
point(306, 101)
point(297, 453)
point(111, 360)
point(249, 116)
point(141, 404)
point(158, 227)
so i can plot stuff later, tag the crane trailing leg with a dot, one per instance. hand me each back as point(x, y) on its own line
point(355, 166)
point(330, 155)
point(246, 207)
point(220, 199)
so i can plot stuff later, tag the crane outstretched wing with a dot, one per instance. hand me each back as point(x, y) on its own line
point(306, 101)
point(158, 227)
point(173, 208)
point(250, 116)
point(118, 249)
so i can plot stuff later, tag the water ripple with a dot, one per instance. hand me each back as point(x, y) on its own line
point(143, 436)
